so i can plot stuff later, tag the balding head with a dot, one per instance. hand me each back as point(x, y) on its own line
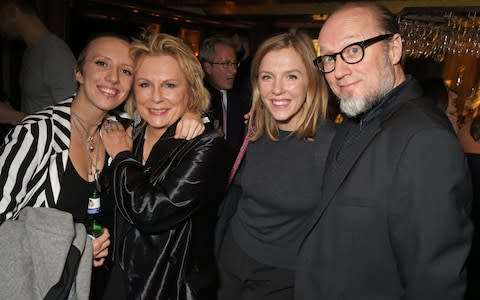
point(372, 31)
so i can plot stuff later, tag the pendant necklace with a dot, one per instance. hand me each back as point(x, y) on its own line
point(90, 138)
point(93, 170)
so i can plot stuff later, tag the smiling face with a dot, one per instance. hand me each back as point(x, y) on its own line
point(360, 86)
point(106, 74)
point(283, 82)
point(219, 77)
point(161, 92)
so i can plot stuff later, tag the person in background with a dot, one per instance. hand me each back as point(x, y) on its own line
point(165, 191)
point(393, 221)
point(475, 128)
point(469, 136)
point(467, 133)
point(442, 97)
point(228, 105)
point(241, 44)
point(4, 127)
point(46, 73)
point(281, 173)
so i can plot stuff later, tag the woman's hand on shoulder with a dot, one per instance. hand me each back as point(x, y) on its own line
point(189, 126)
point(247, 116)
point(115, 138)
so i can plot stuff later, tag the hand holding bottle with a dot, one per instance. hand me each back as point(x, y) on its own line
point(99, 234)
point(100, 248)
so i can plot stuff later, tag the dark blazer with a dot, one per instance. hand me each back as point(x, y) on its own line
point(393, 222)
point(238, 104)
point(165, 214)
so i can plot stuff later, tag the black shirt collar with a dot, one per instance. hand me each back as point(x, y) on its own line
point(383, 103)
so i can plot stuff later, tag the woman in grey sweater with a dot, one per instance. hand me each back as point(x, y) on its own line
point(281, 173)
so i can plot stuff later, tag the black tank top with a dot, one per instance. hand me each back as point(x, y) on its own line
point(74, 194)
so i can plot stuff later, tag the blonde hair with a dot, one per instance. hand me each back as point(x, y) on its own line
point(316, 100)
point(152, 44)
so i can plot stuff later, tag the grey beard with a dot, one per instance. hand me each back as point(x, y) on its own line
point(355, 107)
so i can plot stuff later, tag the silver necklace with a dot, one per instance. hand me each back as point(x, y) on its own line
point(92, 165)
point(90, 138)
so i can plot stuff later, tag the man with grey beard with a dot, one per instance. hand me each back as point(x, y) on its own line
point(393, 219)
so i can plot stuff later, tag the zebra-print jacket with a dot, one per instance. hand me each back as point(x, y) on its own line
point(33, 158)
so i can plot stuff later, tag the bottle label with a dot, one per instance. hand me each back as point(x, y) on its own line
point(93, 205)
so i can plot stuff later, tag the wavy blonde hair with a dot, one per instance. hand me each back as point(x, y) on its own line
point(152, 44)
point(316, 100)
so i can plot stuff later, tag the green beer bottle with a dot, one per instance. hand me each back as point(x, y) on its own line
point(94, 222)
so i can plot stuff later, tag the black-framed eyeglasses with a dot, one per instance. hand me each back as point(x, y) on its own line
point(351, 54)
point(226, 64)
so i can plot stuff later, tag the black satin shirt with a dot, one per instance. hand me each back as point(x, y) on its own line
point(165, 214)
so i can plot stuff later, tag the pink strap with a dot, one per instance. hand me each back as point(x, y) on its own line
point(240, 155)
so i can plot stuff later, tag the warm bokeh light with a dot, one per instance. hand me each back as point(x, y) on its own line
point(316, 46)
point(320, 17)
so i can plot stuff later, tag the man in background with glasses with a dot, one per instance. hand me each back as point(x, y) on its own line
point(393, 219)
point(228, 104)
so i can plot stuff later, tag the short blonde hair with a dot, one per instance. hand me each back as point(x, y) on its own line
point(152, 44)
point(316, 101)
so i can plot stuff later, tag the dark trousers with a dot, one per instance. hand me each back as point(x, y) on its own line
point(116, 286)
point(244, 278)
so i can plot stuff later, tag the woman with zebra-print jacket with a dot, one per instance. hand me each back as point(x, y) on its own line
point(53, 158)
